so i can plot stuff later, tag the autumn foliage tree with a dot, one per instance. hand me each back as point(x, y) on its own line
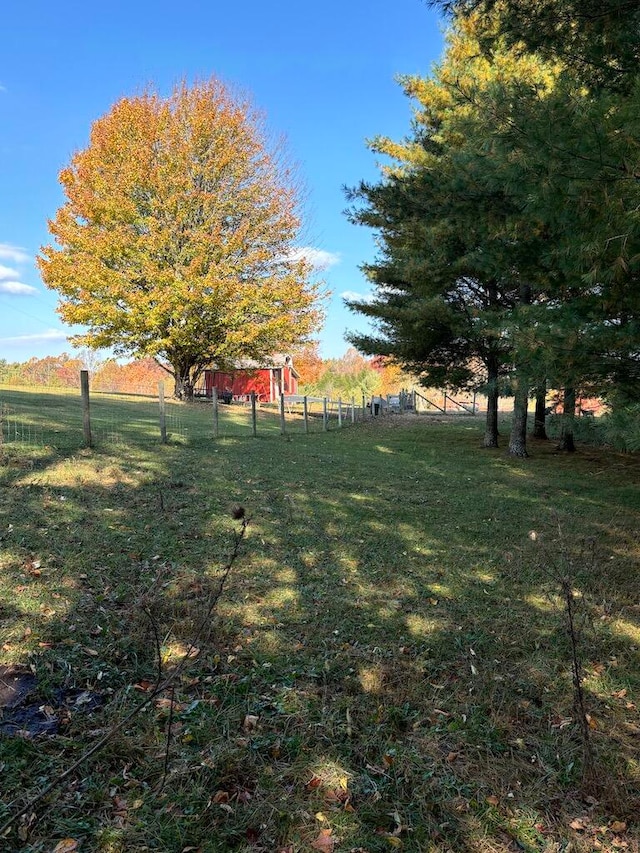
point(308, 362)
point(177, 237)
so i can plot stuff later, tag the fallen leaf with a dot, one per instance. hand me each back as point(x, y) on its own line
point(120, 806)
point(452, 757)
point(578, 823)
point(314, 782)
point(619, 694)
point(492, 800)
point(324, 842)
point(67, 845)
point(92, 652)
point(165, 703)
point(250, 722)
point(220, 797)
point(618, 826)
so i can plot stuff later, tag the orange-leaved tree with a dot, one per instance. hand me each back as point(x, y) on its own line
point(308, 362)
point(177, 239)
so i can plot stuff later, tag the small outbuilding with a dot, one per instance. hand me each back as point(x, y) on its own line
point(267, 379)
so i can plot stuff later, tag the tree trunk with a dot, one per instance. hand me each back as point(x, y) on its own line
point(540, 417)
point(568, 420)
point(518, 437)
point(491, 428)
point(183, 385)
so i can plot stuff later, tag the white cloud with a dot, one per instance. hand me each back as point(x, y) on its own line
point(39, 338)
point(8, 272)
point(3, 88)
point(15, 254)
point(352, 296)
point(17, 288)
point(318, 258)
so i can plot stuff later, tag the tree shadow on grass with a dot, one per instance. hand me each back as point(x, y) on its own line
point(388, 661)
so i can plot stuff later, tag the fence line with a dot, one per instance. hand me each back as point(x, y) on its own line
point(59, 418)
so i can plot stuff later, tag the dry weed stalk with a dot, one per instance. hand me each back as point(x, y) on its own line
point(558, 567)
point(162, 684)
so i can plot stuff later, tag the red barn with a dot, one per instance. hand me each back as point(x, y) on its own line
point(267, 379)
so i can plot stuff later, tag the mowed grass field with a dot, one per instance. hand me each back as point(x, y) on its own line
point(388, 666)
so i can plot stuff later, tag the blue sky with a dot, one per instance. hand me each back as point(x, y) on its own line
point(324, 74)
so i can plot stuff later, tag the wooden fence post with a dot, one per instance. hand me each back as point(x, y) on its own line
point(353, 410)
point(339, 413)
point(364, 408)
point(444, 404)
point(163, 413)
point(254, 420)
point(305, 412)
point(86, 417)
point(474, 402)
point(283, 427)
point(325, 421)
point(216, 422)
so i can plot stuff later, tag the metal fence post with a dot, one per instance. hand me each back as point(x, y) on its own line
point(305, 412)
point(283, 427)
point(325, 421)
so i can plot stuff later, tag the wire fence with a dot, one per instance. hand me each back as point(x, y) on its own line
point(67, 420)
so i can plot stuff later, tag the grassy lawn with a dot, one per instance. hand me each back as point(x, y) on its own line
point(388, 666)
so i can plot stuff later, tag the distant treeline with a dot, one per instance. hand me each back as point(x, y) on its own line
point(346, 377)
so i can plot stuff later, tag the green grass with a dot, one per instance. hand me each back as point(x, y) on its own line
point(389, 661)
